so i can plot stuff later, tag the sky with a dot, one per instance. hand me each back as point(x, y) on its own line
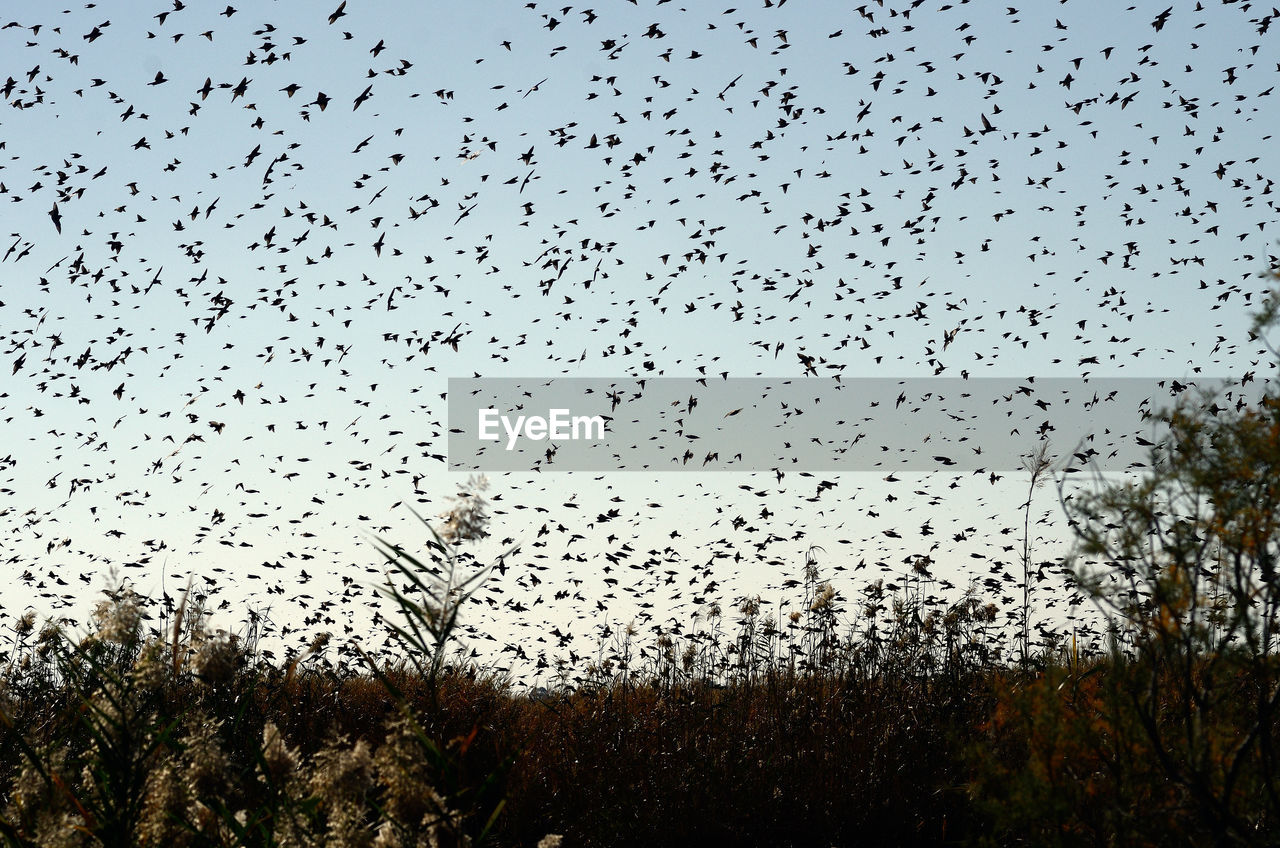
point(247, 248)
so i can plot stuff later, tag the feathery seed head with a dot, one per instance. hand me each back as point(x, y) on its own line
point(468, 519)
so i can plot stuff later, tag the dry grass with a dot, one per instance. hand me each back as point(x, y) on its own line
point(119, 739)
point(891, 719)
point(896, 725)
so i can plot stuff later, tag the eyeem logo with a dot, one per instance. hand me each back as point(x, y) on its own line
point(558, 427)
point(879, 424)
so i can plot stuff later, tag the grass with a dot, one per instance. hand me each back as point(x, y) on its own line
point(120, 739)
point(888, 719)
point(899, 725)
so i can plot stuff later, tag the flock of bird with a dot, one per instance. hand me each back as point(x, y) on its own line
point(245, 247)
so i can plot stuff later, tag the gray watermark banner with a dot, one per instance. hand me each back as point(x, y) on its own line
point(816, 424)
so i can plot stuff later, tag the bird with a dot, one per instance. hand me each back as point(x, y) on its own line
point(210, 350)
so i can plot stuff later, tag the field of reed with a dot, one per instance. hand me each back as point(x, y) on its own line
point(882, 721)
point(122, 737)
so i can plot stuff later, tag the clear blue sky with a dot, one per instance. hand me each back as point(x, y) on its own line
point(630, 190)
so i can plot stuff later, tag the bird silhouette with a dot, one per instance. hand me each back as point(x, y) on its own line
point(207, 362)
